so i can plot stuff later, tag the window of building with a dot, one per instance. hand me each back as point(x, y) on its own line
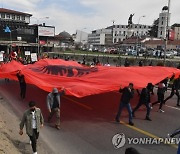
point(8, 16)
point(161, 33)
point(18, 17)
point(162, 23)
point(23, 18)
point(13, 17)
point(124, 33)
point(2, 15)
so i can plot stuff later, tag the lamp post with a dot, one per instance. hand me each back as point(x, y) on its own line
point(138, 34)
point(37, 19)
point(167, 31)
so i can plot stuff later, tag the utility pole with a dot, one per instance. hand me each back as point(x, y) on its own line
point(167, 32)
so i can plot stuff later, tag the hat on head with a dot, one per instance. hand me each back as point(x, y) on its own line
point(55, 90)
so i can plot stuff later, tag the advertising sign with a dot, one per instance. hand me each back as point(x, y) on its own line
point(46, 31)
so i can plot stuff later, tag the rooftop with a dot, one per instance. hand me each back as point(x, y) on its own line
point(3, 10)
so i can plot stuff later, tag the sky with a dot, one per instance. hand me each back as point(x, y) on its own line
point(88, 15)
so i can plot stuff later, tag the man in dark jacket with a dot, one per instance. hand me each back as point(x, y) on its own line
point(160, 93)
point(22, 84)
point(145, 99)
point(174, 90)
point(127, 94)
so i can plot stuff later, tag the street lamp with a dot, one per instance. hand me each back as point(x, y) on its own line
point(37, 19)
point(138, 33)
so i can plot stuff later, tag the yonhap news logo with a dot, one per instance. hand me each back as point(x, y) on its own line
point(119, 140)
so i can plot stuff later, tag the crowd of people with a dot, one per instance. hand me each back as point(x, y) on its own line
point(33, 118)
point(145, 97)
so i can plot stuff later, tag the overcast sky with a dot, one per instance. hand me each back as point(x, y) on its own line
point(70, 15)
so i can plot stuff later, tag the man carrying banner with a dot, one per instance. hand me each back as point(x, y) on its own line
point(145, 99)
point(174, 90)
point(127, 94)
point(22, 84)
point(53, 104)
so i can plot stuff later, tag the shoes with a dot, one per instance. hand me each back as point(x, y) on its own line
point(30, 142)
point(117, 120)
point(160, 110)
point(35, 153)
point(147, 118)
point(131, 123)
point(57, 127)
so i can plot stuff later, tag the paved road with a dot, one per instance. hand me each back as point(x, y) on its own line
point(88, 125)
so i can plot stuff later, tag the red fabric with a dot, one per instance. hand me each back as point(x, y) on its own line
point(82, 81)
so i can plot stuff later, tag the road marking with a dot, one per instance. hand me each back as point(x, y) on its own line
point(145, 133)
point(80, 104)
point(173, 107)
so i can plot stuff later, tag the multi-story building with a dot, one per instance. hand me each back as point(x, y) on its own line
point(15, 32)
point(100, 37)
point(176, 28)
point(122, 32)
point(164, 20)
point(81, 37)
point(117, 33)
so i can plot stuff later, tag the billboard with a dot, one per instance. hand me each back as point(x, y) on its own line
point(46, 31)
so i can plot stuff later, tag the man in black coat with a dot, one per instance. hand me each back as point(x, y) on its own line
point(22, 84)
point(127, 94)
point(174, 90)
point(145, 100)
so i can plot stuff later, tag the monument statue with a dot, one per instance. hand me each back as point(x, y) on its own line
point(130, 19)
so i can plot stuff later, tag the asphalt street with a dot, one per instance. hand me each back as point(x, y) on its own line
point(88, 126)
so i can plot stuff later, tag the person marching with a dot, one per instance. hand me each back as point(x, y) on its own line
point(145, 99)
point(174, 90)
point(33, 119)
point(160, 93)
point(127, 95)
point(22, 84)
point(53, 105)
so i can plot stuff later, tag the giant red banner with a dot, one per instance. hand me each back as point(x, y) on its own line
point(82, 81)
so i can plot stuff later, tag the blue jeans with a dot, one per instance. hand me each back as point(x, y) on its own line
point(178, 152)
point(121, 106)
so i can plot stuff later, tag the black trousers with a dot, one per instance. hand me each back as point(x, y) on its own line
point(23, 90)
point(33, 139)
point(160, 100)
point(172, 94)
point(139, 105)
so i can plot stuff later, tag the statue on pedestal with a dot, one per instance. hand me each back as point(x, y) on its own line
point(130, 19)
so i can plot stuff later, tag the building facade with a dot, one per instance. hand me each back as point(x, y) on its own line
point(17, 34)
point(81, 37)
point(100, 37)
point(122, 32)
